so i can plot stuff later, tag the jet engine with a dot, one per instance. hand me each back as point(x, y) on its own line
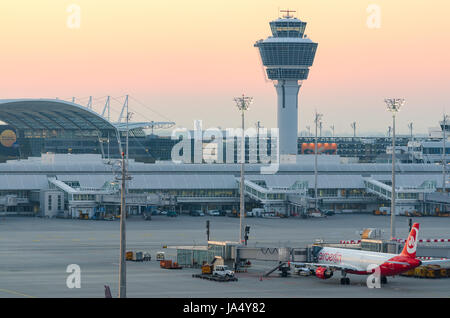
point(323, 273)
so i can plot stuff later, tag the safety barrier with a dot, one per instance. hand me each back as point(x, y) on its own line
point(401, 241)
point(426, 240)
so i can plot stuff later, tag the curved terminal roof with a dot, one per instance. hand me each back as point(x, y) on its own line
point(50, 114)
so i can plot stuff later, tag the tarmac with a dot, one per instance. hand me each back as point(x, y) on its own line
point(35, 254)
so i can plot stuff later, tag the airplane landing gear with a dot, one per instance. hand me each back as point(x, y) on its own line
point(384, 280)
point(345, 280)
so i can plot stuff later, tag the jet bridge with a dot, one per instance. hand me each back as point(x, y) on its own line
point(274, 198)
point(89, 201)
point(402, 194)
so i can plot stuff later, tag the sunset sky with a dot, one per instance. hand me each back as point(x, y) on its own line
point(188, 59)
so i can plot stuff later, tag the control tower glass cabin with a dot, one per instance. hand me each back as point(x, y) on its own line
point(287, 56)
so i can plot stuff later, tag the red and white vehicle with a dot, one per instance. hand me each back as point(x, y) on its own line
point(327, 260)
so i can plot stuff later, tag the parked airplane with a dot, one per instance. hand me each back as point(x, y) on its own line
point(327, 260)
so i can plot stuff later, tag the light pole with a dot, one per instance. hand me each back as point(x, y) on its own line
point(410, 126)
point(123, 215)
point(444, 154)
point(393, 105)
point(258, 126)
point(332, 129)
point(317, 121)
point(353, 125)
point(243, 104)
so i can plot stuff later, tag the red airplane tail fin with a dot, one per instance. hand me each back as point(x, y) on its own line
point(411, 243)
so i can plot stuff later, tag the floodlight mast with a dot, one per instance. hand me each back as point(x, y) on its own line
point(353, 125)
point(317, 121)
point(123, 215)
point(243, 104)
point(393, 105)
point(410, 126)
point(444, 155)
point(258, 126)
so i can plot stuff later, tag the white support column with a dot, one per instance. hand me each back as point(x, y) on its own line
point(287, 116)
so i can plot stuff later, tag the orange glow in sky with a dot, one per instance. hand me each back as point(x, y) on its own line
point(188, 59)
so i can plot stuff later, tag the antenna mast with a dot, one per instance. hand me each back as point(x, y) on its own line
point(287, 13)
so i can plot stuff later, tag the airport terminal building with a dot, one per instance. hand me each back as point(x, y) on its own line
point(87, 186)
point(78, 183)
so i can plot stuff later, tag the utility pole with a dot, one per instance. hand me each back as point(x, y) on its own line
point(123, 215)
point(332, 130)
point(243, 104)
point(258, 126)
point(444, 154)
point(317, 120)
point(410, 126)
point(128, 118)
point(353, 125)
point(393, 105)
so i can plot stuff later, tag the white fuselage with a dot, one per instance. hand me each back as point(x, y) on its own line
point(361, 260)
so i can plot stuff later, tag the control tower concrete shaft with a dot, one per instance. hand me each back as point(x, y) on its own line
point(287, 56)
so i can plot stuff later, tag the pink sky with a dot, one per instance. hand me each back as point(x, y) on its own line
point(187, 59)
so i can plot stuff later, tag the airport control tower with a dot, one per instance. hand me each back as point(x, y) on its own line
point(287, 56)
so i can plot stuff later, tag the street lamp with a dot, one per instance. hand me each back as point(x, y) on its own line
point(393, 105)
point(444, 154)
point(309, 130)
point(353, 125)
point(410, 126)
point(243, 104)
point(120, 171)
point(317, 121)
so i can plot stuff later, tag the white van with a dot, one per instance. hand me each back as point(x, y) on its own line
point(258, 212)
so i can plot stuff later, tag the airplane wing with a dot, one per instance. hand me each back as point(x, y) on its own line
point(444, 263)
point(340, 267)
